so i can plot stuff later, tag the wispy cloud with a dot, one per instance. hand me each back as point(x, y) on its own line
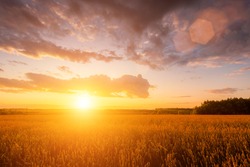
point(223, 91)
point(1, 70)
point(195, 77)
point(168, 35)
point(98, 85)
point(14, 62)
point(239, 71)
point(65, 69)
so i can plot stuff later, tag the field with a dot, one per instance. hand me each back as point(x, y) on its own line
point(124, 140)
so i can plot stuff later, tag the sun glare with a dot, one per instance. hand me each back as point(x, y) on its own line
point(84, 102)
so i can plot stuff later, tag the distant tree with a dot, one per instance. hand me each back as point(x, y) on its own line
point(225, 107)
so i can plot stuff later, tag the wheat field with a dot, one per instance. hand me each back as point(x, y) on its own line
point(124, 140)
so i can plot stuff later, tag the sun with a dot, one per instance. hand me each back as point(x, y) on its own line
point(84, 102)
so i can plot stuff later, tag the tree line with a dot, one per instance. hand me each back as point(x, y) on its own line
point(229, 106)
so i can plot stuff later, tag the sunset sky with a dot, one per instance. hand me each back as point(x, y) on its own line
point(123, 54)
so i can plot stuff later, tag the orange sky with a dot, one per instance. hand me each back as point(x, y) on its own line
point(123, 54)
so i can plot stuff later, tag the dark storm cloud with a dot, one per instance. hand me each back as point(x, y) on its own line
point(99, 85)
point(223, 91)
point(156, 33)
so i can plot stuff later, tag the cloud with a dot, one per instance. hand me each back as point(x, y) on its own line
point(14, 62)
point(64, 69)
point(1, 70)
point(38, 48)
point(26, 27)
point(98, 85)
point(16, 84)
point(239, 71)
point(223, 91)
point(230, 21)
point(156, 33)
point(138, 14)
point(195, 77)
